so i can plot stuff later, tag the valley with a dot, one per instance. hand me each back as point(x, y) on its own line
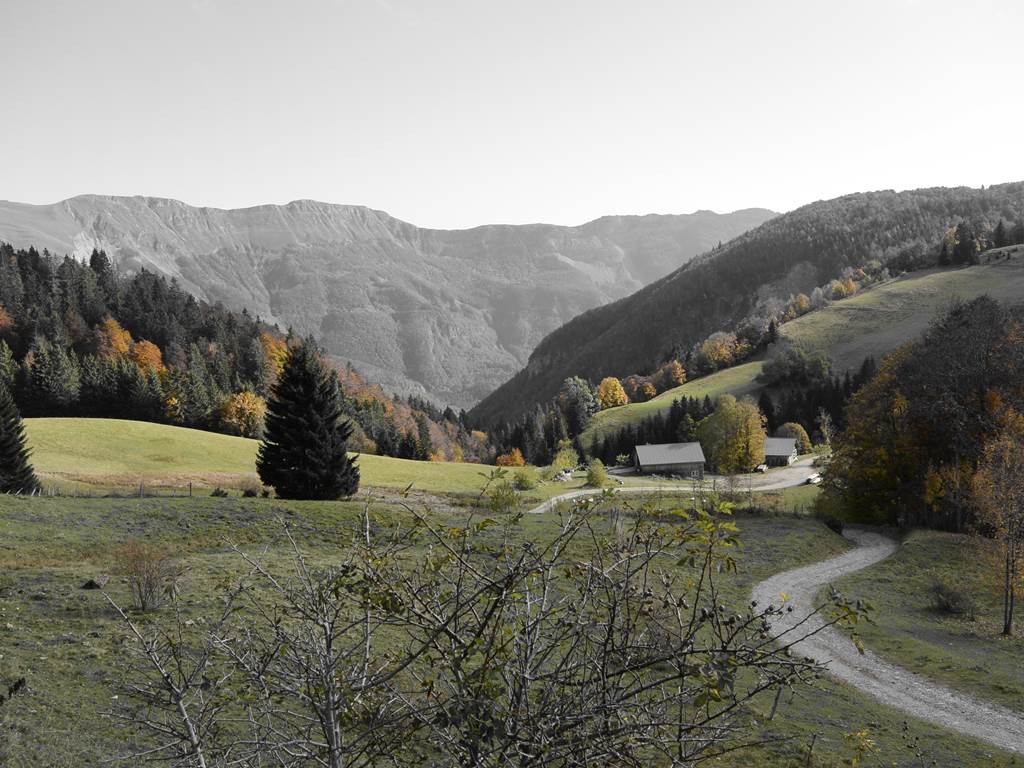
point(70, 646)
point(445, 314)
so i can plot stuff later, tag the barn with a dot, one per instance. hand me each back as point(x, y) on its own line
point(683, 459)
point(779, 451)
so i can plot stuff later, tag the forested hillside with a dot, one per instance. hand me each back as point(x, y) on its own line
point(744, 285)
point(79, 339)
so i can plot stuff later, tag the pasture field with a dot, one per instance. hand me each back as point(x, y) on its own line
point(70, 646)
point(93, 456)
point(964, 651)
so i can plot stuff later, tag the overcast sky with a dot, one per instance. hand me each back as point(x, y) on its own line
point(453, 113)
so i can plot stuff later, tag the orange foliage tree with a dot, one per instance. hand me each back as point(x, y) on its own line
point(670, 375)
point(512, 459)
point(276, 350)
point(147, 356)
point(112, 341)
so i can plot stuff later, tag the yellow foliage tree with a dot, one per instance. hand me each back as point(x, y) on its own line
point(243, 413)
point(276, 350)
point(610, 393)
point(733, 436)
point(719, 350)
point(112, 341)
point(999, 495)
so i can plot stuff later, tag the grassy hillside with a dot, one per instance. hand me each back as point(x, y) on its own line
point(117, 455)
point(738, 380)
point(873, 323)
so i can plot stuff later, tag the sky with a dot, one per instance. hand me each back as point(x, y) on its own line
point(455, 113)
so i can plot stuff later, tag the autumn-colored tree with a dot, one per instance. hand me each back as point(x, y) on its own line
point(513, 458)
point(670, 375)
point(112, 341)
point(645, 392)
point(147, 356)
point(873, 468)
point(719, 350)
point(796, 431)
point(276, 350)
point(610, 393)
point(6, 321)
point(798, 305)
point(999, 495)
point(243, 413)
point(733, 436)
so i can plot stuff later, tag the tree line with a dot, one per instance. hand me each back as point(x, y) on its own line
point(936, 439)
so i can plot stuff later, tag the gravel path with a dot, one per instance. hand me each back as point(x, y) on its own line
point(892, 685)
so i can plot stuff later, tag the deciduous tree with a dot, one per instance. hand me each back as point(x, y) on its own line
point(733, 436)
point(610, 393)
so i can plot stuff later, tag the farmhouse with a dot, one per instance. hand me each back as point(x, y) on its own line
point(683, 459)
point(779, 451)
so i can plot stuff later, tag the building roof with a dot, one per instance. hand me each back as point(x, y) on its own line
point(779, 446)
point(670, 453)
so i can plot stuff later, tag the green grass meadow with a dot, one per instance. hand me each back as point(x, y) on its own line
point(963, 652)
point(70, 646)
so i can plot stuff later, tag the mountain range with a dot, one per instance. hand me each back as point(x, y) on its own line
point(449, 314)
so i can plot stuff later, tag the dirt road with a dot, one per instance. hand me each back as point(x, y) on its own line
point(890, 684)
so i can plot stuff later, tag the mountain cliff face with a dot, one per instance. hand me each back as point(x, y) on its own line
point(792, 253)
point(449, 314)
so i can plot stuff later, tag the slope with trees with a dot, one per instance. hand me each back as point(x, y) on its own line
point(755, 276)
point(82, 339)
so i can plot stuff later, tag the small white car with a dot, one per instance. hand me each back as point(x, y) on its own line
point(761, 468)
point(814, 479)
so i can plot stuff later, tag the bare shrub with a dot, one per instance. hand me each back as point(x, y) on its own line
point(949, 599)
point(250, 489)
point(152, 574)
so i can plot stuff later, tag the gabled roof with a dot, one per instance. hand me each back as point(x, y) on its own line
point(670, 453)
point(779, 446)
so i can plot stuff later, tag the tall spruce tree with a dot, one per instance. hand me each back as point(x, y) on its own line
point(16, 473)
point(304, 450)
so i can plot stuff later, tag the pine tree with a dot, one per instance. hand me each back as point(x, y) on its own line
point(304, 453)
point(16, 473)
